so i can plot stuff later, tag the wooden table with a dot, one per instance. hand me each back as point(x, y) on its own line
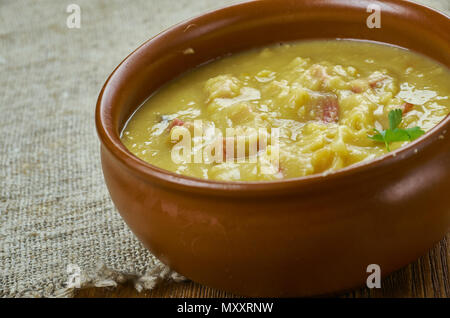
point(429, 276)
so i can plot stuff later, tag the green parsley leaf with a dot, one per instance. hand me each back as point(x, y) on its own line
point(394, 133)
point(379, 136)
point(395, 118)
point(414, 132)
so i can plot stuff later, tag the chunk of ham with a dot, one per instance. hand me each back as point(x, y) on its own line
point(407, 107)
point(176, 122)
point(376, 80)
point(359, 85)
point(330, 109)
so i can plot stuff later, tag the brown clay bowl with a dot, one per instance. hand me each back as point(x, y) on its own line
point(298, 237)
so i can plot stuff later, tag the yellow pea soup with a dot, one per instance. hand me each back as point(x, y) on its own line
point(323, 98)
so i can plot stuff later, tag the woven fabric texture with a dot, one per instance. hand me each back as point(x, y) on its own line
point(54, 206)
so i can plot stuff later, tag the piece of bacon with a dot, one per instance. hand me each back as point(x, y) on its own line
point(375, 81)
point(357, 89)
point(407, 107)
point(330, 109)
point(175, 122)
point(359, 86)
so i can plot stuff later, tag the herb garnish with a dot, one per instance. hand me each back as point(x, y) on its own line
point(394, 133)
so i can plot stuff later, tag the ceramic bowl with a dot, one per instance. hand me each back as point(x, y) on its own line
point(298, 237)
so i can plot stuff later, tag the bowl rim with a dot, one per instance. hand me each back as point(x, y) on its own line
point(111, 140)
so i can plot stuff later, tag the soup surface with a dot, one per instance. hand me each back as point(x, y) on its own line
point(292, 110)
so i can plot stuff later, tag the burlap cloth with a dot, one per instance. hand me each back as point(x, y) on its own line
point(54, 207)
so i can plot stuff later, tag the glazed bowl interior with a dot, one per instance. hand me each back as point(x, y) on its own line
point(255, 24)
